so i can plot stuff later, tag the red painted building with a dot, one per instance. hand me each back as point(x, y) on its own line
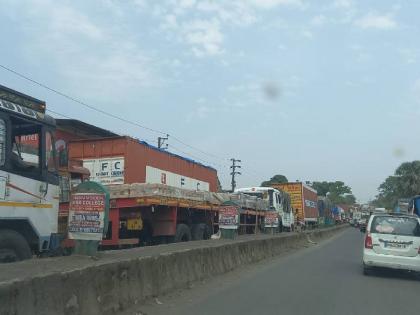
point(119, 160)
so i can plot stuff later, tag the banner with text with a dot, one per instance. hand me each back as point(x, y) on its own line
point(228, 217)
point(106, 171)
point(271, 219)
point(86, 216)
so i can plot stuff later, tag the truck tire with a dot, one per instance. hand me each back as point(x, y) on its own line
point(13, 247)
point(183, 233)
point(200, 231)
point(208, 232)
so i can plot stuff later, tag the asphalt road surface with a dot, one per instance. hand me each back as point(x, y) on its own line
point(323, 279)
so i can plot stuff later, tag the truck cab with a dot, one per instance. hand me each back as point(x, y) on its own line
point(28, 177)
point(278, 201)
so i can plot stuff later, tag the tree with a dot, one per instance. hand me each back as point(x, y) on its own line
point(322, 188)
point(276, 179)
point(349, 199)
point(405, 183)
point(337, 188)
point(338, 192)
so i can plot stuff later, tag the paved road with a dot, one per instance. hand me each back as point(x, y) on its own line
point(323, 279)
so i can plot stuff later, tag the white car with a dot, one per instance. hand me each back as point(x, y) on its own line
point(392, 241)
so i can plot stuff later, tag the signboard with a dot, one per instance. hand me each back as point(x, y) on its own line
point(310, 203)
point(86, 216)
point(106, 171)
point(157, 176)
point(295, 192)
point(271, 219)
point(228, 217)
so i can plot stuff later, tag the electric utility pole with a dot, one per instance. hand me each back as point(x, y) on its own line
point(161, 142)
point(234, 172)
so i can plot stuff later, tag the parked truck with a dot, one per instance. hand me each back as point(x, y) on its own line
point(278, 201)
point(157, 196)
point(28, 177)
point(304, 201)
point(325, 211)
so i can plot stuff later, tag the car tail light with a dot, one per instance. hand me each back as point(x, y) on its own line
point(368, 241)
point(418, 251)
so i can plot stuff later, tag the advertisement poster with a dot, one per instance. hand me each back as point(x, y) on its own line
point(228, 217)
point(86, 216)
point(271, 220)
point(295, 192)
point(106, 171)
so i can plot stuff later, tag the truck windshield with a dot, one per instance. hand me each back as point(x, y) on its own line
point(26, 153)
point(255, 194)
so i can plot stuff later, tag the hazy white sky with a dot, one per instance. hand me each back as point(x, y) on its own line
point(315, 90)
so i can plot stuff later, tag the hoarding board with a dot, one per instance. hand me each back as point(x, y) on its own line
point(228, 217)
point(106, 171)
point(295, 192)
point(271, 219)
point(86, 216)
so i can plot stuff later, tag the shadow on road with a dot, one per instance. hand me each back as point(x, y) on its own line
point(395, 274)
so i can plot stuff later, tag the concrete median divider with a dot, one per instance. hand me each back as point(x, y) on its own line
point(117, 280)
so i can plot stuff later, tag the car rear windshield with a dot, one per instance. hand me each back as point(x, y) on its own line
point(395, 225)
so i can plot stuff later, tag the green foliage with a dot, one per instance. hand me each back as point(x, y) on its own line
point(337, 191)
point(276, 179)
point(405, 183)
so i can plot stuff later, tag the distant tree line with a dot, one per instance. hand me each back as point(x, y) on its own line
point(337, 192)
point(404, 183)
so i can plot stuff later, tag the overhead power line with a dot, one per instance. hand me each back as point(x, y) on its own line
point(197, 149)
point(81, 102)
point(148, 140)
point(94, 108)
point(91, 107)
point(68, 117)
point(196, 157)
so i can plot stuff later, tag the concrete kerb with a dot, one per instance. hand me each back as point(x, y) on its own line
point(108, 287)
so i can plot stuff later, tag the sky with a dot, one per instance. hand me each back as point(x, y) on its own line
point(314, 90)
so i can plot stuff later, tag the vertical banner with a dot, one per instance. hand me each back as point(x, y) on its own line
point(228, 217)
point(86, 216)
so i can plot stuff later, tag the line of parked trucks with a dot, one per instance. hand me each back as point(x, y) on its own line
point(155, 196)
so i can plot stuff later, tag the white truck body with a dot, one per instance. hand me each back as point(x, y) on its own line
point(29, 193)
point(25, 198)
point(275, 199)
